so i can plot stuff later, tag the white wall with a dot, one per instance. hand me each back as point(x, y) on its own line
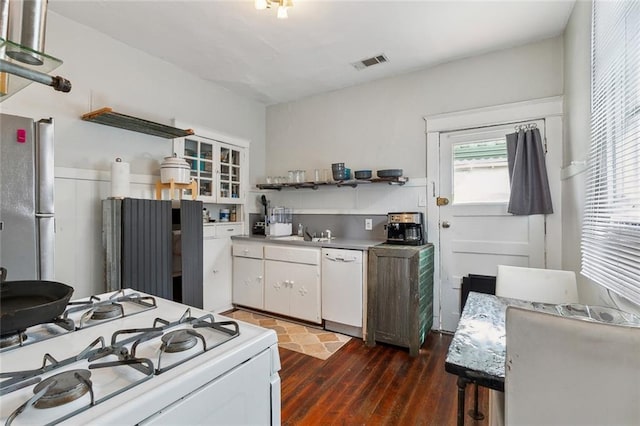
point(577, 69)
point(380, 125)
point(577, 92)
point(105, 72)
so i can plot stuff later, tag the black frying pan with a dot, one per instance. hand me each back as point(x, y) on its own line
point(27, 303)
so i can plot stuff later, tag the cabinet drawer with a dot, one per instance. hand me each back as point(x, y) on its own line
point(292, 254)
point(228, 230)
point(247, 250)
point(208, 231)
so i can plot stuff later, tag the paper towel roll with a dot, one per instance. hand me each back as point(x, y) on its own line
point(119, 179)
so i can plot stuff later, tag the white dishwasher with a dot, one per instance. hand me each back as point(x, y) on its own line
point(342, 291)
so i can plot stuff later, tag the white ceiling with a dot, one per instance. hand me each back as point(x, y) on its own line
point(254, 54)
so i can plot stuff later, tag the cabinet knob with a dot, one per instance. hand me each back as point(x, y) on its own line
point(259, 277)
point(215, 271)
point(291, 283)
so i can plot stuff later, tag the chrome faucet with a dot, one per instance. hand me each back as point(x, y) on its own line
point(328, 231)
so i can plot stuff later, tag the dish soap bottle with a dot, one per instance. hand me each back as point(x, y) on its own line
point(300, 230)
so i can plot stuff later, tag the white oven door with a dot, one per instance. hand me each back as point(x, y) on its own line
point(239, 397)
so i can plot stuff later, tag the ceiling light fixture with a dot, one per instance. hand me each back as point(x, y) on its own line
point(283, 5)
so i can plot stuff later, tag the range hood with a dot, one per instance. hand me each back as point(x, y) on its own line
point(22, 57)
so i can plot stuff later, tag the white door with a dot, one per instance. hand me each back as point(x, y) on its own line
point(476, 233)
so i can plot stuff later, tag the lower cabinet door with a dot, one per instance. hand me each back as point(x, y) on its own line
point(248, 282)
point(293, 289)
point(276, 287)
point(305, 292)
point(216, 274)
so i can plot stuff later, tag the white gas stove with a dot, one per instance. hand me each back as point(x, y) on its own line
point(160, 363)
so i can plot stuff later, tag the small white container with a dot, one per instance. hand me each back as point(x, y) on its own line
point(176, 168)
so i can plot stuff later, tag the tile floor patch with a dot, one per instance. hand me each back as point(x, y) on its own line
point(299, 338)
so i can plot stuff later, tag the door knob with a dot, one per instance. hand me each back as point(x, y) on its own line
point(446, 224)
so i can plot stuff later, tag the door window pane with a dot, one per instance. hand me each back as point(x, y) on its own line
point(480, 172)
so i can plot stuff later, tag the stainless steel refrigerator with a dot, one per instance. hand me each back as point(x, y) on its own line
point(27, 230)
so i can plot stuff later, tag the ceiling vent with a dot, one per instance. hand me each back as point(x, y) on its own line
point(369, 62)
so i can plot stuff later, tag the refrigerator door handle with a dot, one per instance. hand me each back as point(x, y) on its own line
point(46, 247)
point(44, 167)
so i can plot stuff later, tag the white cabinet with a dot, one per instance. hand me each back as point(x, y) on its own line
point(248, 273)
point(292, 284)
point(219, 168)
point(216, 278)
point(229, 188)
point(217, 265)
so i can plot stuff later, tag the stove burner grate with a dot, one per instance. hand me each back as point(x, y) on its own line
point(97, 310)
point(186, 338)
point(69, 386)
point(179, 340)
point(107, 312)
point(10, 340)
point(63, 388)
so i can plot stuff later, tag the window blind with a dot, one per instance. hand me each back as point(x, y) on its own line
point(611, 226)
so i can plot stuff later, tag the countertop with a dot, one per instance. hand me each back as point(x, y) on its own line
point(338, 243)
point(477, 350)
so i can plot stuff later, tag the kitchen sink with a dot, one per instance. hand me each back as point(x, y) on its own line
point(289, 238)
point(298, 238)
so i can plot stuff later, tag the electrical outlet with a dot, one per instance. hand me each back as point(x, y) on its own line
point(368, 224)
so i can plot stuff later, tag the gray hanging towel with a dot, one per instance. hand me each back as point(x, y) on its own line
point(528, 174)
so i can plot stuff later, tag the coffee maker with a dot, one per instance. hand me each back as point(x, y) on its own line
point(406, 229)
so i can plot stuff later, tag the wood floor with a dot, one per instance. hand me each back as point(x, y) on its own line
point(382, 385)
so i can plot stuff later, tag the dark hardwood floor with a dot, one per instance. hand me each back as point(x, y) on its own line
point(382, 385)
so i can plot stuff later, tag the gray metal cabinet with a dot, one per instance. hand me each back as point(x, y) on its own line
point(400, 295)
point(140, 253)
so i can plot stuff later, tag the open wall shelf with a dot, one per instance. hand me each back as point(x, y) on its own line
point(108, 117)
point(315, 185)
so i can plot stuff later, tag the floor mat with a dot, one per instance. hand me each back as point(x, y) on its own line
point(299, 338)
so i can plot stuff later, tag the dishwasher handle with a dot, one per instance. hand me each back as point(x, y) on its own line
point(340, 259)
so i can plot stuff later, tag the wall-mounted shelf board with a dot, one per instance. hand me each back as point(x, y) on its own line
point(108, 117)
point(315, 185)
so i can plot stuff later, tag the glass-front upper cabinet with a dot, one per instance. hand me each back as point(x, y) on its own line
point(229, 189)
point(200, 154)
point(216, 167)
